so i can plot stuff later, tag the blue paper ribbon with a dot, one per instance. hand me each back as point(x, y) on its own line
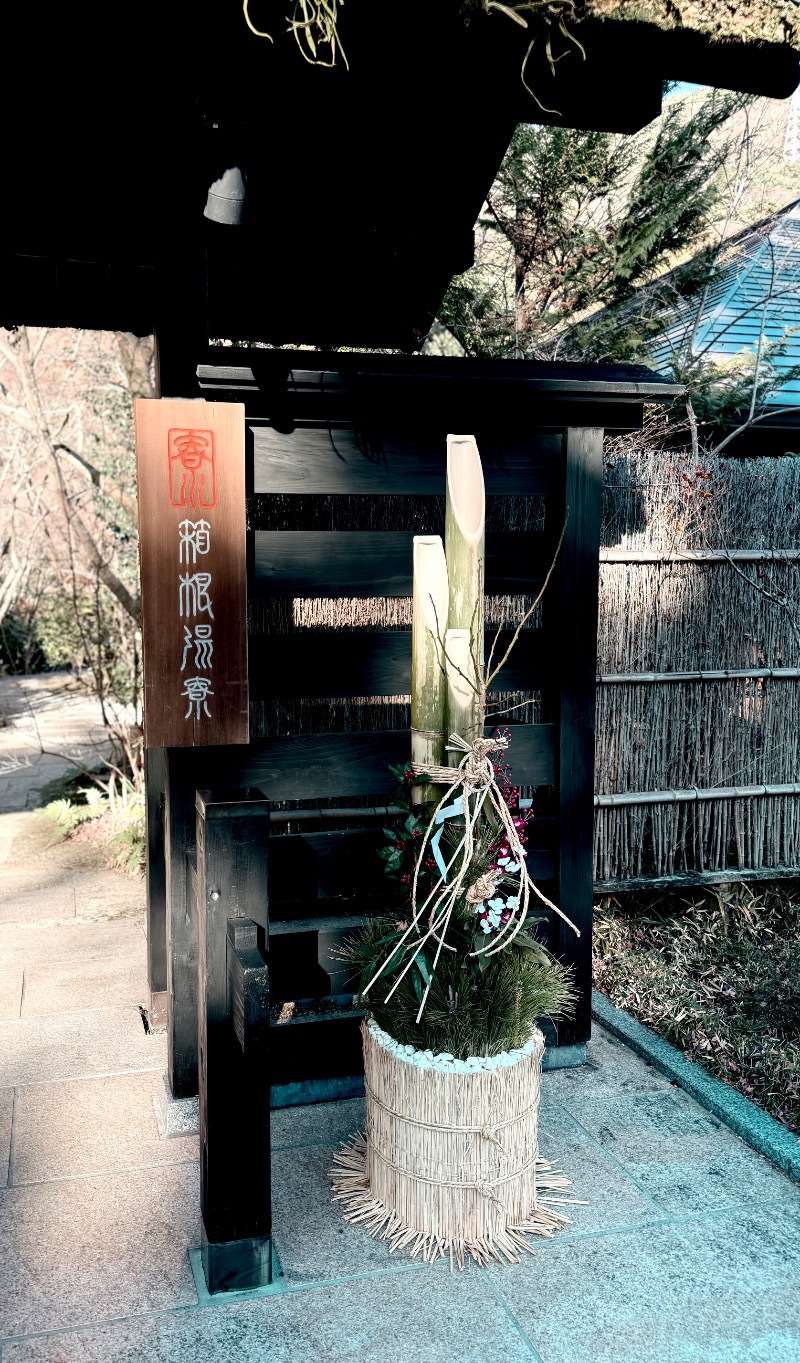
point(449, 812)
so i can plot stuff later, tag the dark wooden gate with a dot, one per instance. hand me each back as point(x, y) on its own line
point(345, 461)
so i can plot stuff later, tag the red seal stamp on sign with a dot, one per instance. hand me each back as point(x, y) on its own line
point(192, 469)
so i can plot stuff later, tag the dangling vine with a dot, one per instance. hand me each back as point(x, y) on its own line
point(314, 24)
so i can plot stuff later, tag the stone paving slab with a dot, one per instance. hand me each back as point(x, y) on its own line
point(6, 1116)
point(77, 1045)
point(97, 1248)
point(614, 1199)
point(323, 1124)
point(312, 1238)
point(715, 1289)
point(101, 895)
point(404, 1316)
point(755, 1126)
point(611, 1068)
point(11, 981)
point(684, 1157)
point(78, 965)
point(36, 860)
point(91, 1126)
point(45, 902)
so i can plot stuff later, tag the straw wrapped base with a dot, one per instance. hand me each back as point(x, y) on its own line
point(450, 1164)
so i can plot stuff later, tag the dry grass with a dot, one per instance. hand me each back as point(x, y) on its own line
point(717, 973)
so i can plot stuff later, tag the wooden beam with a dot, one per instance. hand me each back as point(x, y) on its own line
point(379, 664)
point(366, 563)
point(320, 866)
point(330, 461)
point(321, 766)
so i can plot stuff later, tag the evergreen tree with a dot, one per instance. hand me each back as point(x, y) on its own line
point(576, 222)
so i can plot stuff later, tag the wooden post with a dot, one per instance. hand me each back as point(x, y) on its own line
point(233, 1030)
point(156, 881)
point(576, 605)
point(183, 766)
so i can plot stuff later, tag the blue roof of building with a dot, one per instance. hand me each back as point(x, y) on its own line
point(756, 291)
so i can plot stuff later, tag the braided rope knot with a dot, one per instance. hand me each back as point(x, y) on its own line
point(481, 888)
point(476, 768)
point(489, 1133)
point(488, 1191)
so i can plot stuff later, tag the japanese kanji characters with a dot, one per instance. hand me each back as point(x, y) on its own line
point(193, 595)
point(195, 539)
point(203, 645)
point(196, 690)
point(192, 482)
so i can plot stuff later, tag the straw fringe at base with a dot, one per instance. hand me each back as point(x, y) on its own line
point(351, 1187)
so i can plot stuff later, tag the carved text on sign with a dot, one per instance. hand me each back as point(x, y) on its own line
point(203, 645)
point(193, 551)
point(195, 690)
point(195, 539)
point(193, 595)
point(192, 469)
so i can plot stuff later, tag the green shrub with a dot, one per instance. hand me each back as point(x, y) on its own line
point(469, 1011)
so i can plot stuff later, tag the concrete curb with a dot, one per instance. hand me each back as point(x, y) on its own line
point(750, 1122)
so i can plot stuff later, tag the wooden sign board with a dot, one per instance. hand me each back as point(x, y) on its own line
point(192, 549)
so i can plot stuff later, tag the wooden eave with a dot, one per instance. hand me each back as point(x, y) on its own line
point(363, 185)
point(296, 387)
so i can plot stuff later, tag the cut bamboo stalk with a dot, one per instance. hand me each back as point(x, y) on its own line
point(461, 709)
point(464, 536)
point(428, 685)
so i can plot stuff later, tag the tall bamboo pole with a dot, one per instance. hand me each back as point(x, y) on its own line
point(428, 686)
point(462, 707)
point(464, 537)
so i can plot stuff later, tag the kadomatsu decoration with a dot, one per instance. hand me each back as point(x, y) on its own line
point(449, 1164)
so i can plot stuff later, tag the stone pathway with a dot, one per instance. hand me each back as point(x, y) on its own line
point(687, 1252)
point(47, 712)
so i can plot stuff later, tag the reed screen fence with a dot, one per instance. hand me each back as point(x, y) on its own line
point(698, 698)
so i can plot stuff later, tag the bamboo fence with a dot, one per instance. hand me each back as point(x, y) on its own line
point(698, 700)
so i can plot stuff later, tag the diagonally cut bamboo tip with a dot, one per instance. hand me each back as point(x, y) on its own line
point(430, 580)
point(465, 487)
point(459, 665)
